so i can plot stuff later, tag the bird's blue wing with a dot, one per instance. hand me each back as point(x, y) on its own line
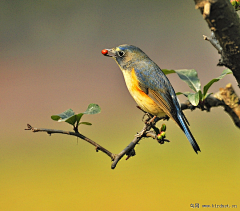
point(158, 87)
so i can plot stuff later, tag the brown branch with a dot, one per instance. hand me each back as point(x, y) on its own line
point(231, 102)
point(79, 135)
point(224, 22)
point(226, 97)
point(129, 150)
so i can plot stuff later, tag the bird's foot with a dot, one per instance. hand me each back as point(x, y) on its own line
point(148, 117)
point(151, 120)
point(130, 153)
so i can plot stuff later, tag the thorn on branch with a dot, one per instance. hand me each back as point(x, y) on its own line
point(214, 42)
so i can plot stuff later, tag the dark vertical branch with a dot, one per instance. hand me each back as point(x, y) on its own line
point(223, 20)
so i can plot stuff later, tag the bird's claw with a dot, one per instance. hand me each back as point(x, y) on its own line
point(130, 153)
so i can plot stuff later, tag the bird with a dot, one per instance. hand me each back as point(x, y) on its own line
point(149, 86)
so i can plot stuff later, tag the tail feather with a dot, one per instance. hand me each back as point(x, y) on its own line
point(188, 133)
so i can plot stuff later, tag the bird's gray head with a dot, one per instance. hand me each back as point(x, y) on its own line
point(125, 54)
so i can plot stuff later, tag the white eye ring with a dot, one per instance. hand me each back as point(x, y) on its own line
point(120, 53)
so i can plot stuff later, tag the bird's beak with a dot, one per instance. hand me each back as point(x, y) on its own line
point(106, 52)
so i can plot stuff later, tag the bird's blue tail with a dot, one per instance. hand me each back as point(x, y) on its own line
point(188, 133)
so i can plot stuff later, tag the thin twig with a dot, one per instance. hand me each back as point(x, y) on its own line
point(129, 150)
point(132, 145)
point(50, 131)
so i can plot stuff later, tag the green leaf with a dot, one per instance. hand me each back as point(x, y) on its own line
point(55, 117)
point(70, 117)
point(67, 116)
point(194, 98)
point(183, 93)
point(207, 95)
point(166, 71)
point(190, 77)
point(79, 116)
point(93, 109)
point(85, 123)
point(209, 84)
point(71, 120)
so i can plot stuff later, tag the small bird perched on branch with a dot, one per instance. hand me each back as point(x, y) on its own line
point(149, 86)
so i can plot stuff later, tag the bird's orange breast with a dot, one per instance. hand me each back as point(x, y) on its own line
point(141, 98)
point(135, 86)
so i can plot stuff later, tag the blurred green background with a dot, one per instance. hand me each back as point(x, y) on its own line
point(50, 56)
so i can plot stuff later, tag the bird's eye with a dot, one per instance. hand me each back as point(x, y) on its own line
point(121, 53)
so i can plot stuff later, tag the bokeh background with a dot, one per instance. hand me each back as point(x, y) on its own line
point(50, 56)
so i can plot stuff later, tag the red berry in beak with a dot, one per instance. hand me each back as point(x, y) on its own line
point(104, 52)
